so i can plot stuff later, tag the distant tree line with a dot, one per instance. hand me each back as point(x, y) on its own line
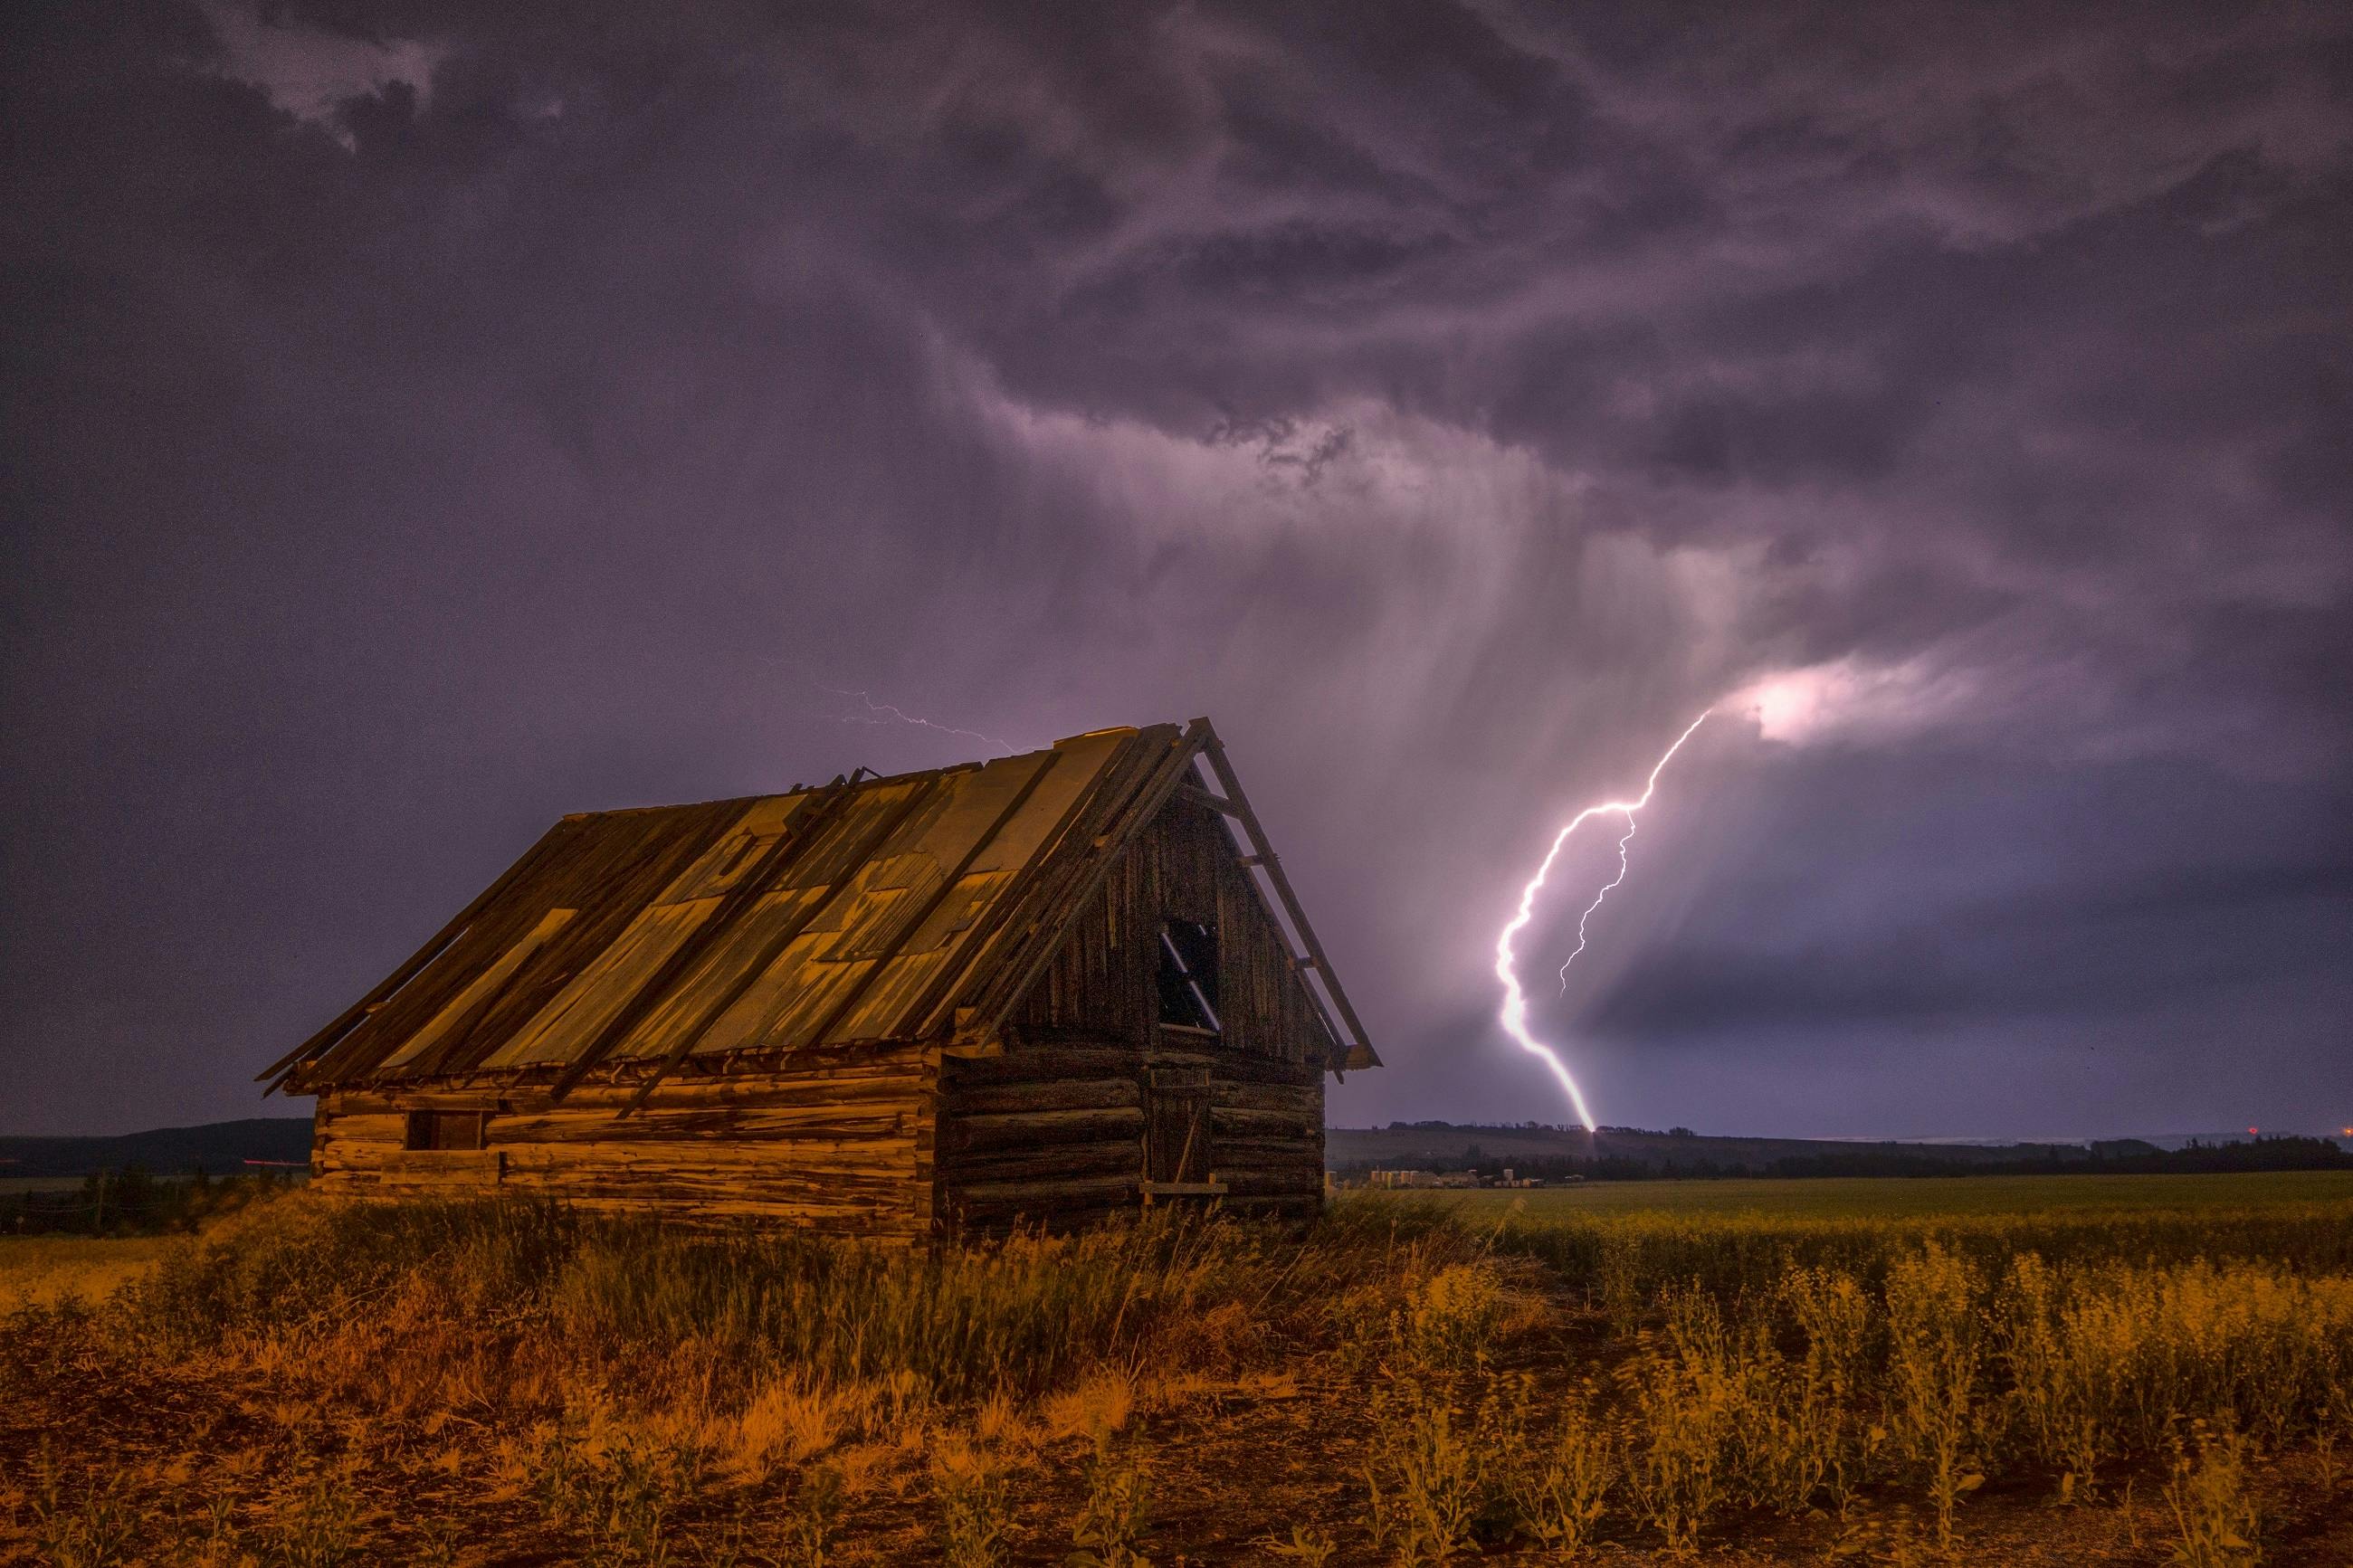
point(130, 1202)
point(2123, 1158)
point(2281, 1153)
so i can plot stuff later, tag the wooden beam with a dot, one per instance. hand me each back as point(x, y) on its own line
point(1152, 1190)
point(1214, 749)
point(1199, 796)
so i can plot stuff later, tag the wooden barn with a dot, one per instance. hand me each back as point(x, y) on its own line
point(1039, 988)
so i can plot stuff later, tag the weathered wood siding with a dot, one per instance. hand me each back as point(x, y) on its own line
point(841, 1145)
point(1055, 1132)
point(891, 1141)
point(1055, 1129)
point(1184, 867)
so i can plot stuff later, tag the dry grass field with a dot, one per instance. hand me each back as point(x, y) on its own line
point(1752, 1373)
point(45, 1271)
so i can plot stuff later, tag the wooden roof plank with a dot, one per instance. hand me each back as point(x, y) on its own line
point(907, 923)
point(612, 888)
point(349, 1017)
point(500, 925)
point(897, 908)
point(743, 884)
point(469, 1006)
point(933, 1008)
point(1049, 882)
point(775, 947)
point(624, 858)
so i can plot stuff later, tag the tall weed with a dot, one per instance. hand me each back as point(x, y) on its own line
point(1112, 1519)
point(1760, 1361)
point(1935, 1357)
point(2216, 1520)
point(91, 1526)
point(1428, 1479)
point(974, 1517)
point(1832, 1442)
point(813, 1517)
point(1676, 1476)
point(1450, 1319)
point(1561, 1487)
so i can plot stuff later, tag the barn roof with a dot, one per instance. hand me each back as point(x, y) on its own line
point(911, 907)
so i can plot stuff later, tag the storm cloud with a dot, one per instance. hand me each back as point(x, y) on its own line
point(425, 420)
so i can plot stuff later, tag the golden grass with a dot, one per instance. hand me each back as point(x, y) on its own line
point(43, 1270)
point(1514, 1378)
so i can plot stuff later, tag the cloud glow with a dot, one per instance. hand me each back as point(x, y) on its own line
point(1851, 698)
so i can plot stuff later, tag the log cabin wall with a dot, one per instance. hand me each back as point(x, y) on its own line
point(1086, 1103)
point(1056, 1128)
point(839, 1143)
point(1055, 1132)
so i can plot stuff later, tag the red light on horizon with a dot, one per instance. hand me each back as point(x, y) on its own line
point(2255, 1131)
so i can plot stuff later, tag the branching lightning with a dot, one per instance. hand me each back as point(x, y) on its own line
point(1624, 839)
point(886, 713)
point(1514, 1016)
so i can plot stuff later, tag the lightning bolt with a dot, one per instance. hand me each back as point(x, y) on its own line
point(886, 713)
point(1624, 839)
point(1514, 1016)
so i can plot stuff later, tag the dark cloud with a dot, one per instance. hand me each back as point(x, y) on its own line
point(423, 420)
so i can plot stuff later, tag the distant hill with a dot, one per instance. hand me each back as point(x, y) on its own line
point(220, 1148)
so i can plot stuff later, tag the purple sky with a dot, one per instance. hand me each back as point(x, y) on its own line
point(419, 425)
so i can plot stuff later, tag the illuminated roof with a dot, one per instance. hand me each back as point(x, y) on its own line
point(898, 908)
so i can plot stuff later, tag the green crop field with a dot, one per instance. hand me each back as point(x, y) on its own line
point(1900, 1197)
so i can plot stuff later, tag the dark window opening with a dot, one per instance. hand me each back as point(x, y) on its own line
point(445, 1130)
point(1188, 975)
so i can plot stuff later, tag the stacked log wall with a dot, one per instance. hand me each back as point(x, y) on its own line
point(843, 1146)
point(1054, 1133)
